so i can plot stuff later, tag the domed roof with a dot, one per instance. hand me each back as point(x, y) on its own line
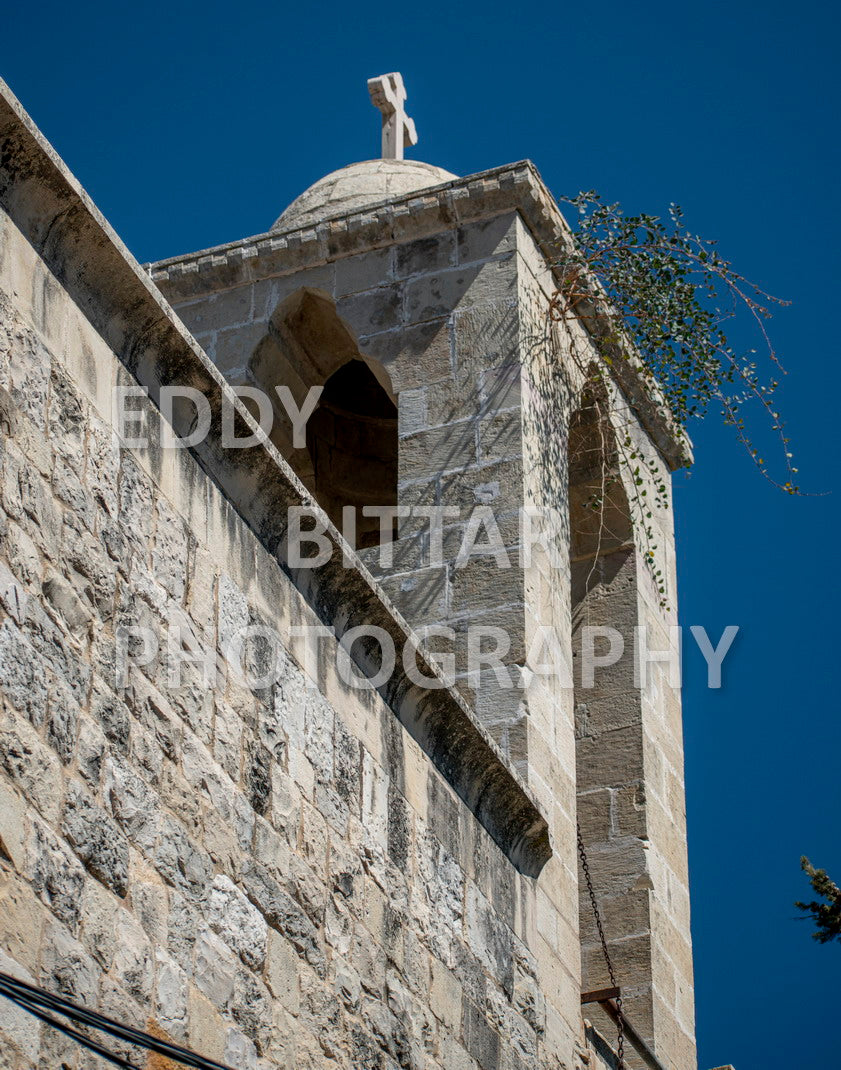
point(359, 185)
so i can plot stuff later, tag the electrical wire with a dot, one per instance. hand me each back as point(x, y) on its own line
point(39, 1002)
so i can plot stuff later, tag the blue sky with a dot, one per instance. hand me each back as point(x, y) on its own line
point(192, 124)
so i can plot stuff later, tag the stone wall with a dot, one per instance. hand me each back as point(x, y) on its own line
point(486, 388)
point(275, 877)
point(448, 319)
point(438, 316)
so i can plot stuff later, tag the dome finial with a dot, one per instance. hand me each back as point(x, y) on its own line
point(389, 95)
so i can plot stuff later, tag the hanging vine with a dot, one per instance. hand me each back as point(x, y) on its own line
point(663, 297)
point(652, 293)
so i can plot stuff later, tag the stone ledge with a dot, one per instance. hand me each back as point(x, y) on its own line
point(66, 229)
point(512, 187)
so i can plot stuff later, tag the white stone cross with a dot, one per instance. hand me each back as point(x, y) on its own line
point(389, 95)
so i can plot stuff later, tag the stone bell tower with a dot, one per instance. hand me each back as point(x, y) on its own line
point(419, 302)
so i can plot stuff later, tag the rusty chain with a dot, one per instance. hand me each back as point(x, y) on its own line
point(620, 1017)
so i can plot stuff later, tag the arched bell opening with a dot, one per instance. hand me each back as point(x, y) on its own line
point(348, 456)
point(352, 443)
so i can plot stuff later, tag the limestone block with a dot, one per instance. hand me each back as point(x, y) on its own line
point(431, 296)
point(31, 765)
point(282, 913)
point(239, 923)
point(23, 919)
point(179, 860)
point(66, 968)
point(151, 905)
point(24, 677)
point(500, 437)
point(25, 372)
point(206, 1030)
point(594, 815)
point(501, 387)
point(233, 611)
point(365, 271)
point(19, 1029)
point(374, 814)
point(239, 1050)
point(371, 311)
point(42, 517)
point(233, 348)
point(439, 904)
point(271, 292)
point(485, 337)
point(92, 573)
point(282, 971)
point(133, 963)
point(425, 255)
point(414, 355)
point(420, 595)
point(69, 609)
point(12, 826)
point(498, 485)
point(445, 996)
point(96, 839)
point(133, 803)
point(412, 411)
point(67, 416)
point(481, 584)
point(171, 996)
point(453, 1055)
point(446, 402)
point(490, 940)
point(480, 1039)
point(214, 969)
point(226, 309)
point(487, 238)
point(136, 504)
point(170, 550)
point(441, 449)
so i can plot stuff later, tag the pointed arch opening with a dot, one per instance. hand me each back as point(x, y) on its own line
point(599, 511)
point(352, 443)
point(610, 785)
point(349, 457)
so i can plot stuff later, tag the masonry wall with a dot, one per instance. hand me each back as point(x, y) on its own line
point(440, 316)
point(486, 386)
point(448, 318)
point(276, 878)
point(630, 757)
point(628, 747)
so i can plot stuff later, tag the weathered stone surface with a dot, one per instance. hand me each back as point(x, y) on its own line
point(240, 925)
point(282, 912)
point(23, 677)
point(96, 839)
point(32, 765)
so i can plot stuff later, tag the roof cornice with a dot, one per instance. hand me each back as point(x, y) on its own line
point(515, 187)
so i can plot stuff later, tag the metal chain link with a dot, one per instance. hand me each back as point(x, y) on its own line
point(620, 1017)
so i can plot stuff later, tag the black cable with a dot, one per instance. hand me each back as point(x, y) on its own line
point(73, 1034)
point(31, 998)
